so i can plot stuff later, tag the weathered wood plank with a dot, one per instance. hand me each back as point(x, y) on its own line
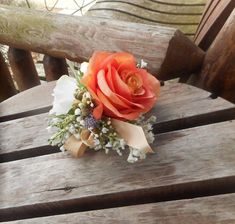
point(54, 67)
point(177, 15)
point(181, 2)
point(23, 68)
point(7, 88)
point(218, 71)
point(76, 39)
point(197, 161)
point(191, 107)
point(30, 138)
point(216, 210)
point(32, 101)
point(192, 100)
point(212, 21)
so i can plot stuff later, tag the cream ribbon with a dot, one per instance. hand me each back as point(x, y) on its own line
point(78, 147)
point(132, 134)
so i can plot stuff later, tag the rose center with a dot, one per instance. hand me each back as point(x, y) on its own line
point(134, 82)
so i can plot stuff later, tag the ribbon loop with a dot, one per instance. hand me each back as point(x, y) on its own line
point(132, 134)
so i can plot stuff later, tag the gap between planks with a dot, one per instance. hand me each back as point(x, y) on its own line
point(168, 193)
point(199, 210)
point(11, 150)
point(210, 170)
point(192, 107)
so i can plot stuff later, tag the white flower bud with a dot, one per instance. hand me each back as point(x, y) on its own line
point(143, 64)
point(108, 145)
point(105, 130)
point(82, 122)
point(84, 67)
point(77, 111)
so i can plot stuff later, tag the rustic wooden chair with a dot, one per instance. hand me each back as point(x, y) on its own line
point(26, 76)
point(194, 157)
point(185, 15)
point(156, 13)
point(180, 14)
point(160, 13)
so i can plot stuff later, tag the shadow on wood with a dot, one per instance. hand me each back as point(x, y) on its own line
point(54, 67)
point(215, 15)
point(7, 88)
point(23, 68)
point(218, 71)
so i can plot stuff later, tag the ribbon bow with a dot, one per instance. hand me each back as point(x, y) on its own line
point(132, 134)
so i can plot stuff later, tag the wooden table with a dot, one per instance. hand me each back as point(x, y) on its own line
point(190, 178)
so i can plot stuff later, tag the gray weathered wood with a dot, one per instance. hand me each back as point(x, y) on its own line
point(35, 100)
point(187, 100)
point(196, 161)
point(77, 39)
point(216, 210)
point(179, 106)
point(177, 15)
point(24, 137)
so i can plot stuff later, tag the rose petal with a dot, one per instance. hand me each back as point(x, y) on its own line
point(96, 61)
point(108, 92)
point(120, 87)
point(109, 78)
point(89, 79)
point(122, 90)
point(110, 108)
point(150, 82)
point(155, 85)
point(125, 60)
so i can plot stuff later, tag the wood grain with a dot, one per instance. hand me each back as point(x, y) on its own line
point(23, 68)
point(32, 101)
point(180, 106)
point(174, 96)
point(212, 21)
point(25, 137)
point(77, 39)
point(216, 210)
point(7, 88)
point(54, 67)
point(177, 15)
point(197, 161)
point(218, 70)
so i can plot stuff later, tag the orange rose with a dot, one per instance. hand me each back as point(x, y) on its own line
point(120, 89)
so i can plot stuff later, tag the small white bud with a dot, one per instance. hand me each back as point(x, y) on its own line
point(108, 145)
point(143, 64)
point(77, 111)
point(82, 122)
point(84, 67)
point(105, 130)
